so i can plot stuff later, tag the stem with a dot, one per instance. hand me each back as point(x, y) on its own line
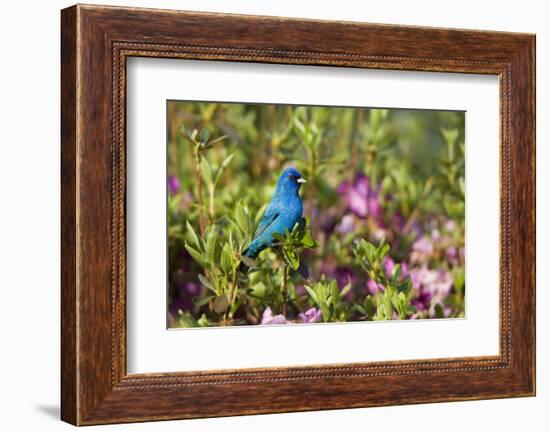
point(285, 289)
point(198, 175)
point(211, 205)
point(232, 296)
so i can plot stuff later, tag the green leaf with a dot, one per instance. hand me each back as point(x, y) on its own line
point(220, 304)
point(345, 290)
point(206, 283)
point(251, 263)
point(204, 136)
point(410, 309)
point(369, 249)
point(360, 309)
point(210, 248)
point(226, 260)
point(189, 134)
point(203, 321)
point(307, 241)
point(383, 250)
point(206, 171)
point(311, 293)
point(258, 290)
point(224, 165)
point(439, 313)
point(187, 321)
point(369, 305)
point(215, 141)
point(292, 259)
point(278, 237)
point(325, 311)
point(300, 128)
point(405, 286)
point(242, 219)
point(450, 135)
point(202, 300)
point(192, 236)
point(195, 255)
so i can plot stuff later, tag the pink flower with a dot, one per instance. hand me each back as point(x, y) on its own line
point(269, 319)
point(450, 225)
point(404, 269)
point(173, 185)
point(361, 198)
point(431, 286)
point(311, 316)
point(389, 264)
point(422, 249)
point(347, 224)
point(451, 253)
point(373, 287)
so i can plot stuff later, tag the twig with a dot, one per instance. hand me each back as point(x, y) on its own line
point(285, 289)
point(232, 295)
point(198, 175)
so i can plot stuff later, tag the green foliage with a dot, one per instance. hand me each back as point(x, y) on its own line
point(291, 243)
point(329, 298)
point(394, 290)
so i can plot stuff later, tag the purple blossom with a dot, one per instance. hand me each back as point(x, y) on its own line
point(347, 224)
point(173, 185)
point(404, 269)
point(439, 283)
point(423, 245)
point(450, 225)
point(431, 286)
point(389, 264)
point(422, 249)
point(191, 288)
point(311, 316)
point(269, 319)
point(451, 253)
point(300, 289)
point(361, 198)
point(373, 287)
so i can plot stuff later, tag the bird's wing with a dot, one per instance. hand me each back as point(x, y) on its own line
point(270, 215)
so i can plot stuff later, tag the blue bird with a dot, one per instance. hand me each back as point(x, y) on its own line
point(282, 213)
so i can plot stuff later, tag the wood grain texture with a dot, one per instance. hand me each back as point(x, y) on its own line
point(96, 41)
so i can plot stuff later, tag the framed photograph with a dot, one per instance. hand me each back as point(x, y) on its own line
point(266, 215)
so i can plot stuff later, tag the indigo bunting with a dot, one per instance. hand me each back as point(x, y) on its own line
point(282, 213)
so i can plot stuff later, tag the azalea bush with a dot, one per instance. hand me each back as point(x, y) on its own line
point(382, 234)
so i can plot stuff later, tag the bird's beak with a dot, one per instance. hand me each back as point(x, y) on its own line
point(301, 180)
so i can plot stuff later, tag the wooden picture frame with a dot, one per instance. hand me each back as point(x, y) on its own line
point(95, 43)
